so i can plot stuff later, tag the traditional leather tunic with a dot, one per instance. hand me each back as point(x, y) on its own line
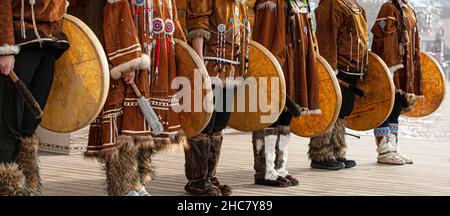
point(403, 62)
point(342, 34)
point(284, 29)
point(131, 45)
point(40, 23)
point(226, 29)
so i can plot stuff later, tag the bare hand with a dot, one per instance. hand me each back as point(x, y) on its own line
point(6, 64)
point(197, 45)
point(129, 77)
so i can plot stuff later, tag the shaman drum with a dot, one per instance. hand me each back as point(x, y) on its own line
point(259, 101)
point(81, 81)
point(201, 107)
point(434, 88)
point(330, 104)
point(375, 107)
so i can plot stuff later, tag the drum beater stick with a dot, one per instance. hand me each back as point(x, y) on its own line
point(29, 99)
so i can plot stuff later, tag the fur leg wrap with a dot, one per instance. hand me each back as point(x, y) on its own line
point(321, 147)
point(196, 158)
point(28, 163)
point(122, 172)
point(12, 180)
point(145, 166)
point(284, 134)
point(214, 155)
point(339, 138)
point(264, 143)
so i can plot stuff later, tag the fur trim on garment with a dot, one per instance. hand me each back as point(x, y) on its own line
point(311, 112)
point(394, 68)
point(6, 49)
point(268, 4)
point(339, 138)
point(12, 180)
point(135, 64)
point(172, 143)
point(320, 147)
point(199, 33)
point(114, 1)
point(28, 163)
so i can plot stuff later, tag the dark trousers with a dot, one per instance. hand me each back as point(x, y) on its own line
point(35, 67)
point(348, 96)
point(223, 102)
point(285, 119)
point(396, 112)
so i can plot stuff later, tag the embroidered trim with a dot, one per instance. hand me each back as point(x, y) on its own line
point(382, 132)
point(394, 128)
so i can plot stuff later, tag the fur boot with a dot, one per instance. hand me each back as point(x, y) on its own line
point(281, 152)
point(321, 152)
point(144, 159)
point(213, 162)
point(12, 180)
point(264, 144)
point(386, 152)
point(28, 163)
point(394, 142)
point(122, 171)
point(340, 144)
point(196, 167)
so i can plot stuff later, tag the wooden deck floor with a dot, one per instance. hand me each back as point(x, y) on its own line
point(430, 175)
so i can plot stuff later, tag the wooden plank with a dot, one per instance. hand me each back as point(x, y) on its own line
point(75, 176)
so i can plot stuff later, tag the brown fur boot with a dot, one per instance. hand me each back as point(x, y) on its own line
point(213, 162)
point(122, 171)
point(12, 180)
point(321, 152)
point(28, 163)
point(340, 143)
point(196, 167)
point(144, 159)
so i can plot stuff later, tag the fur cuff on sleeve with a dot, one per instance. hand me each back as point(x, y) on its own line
point(9, 50)
point(113, 1)
point(135, 64)
point(199, 33)
point(268, 4)
point(395, 68)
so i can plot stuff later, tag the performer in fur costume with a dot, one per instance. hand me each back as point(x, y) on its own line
point(342, 35)
point(31, 40)
point(138, 38)
point(397, 42)
point(220, 33)
point(283, 27)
